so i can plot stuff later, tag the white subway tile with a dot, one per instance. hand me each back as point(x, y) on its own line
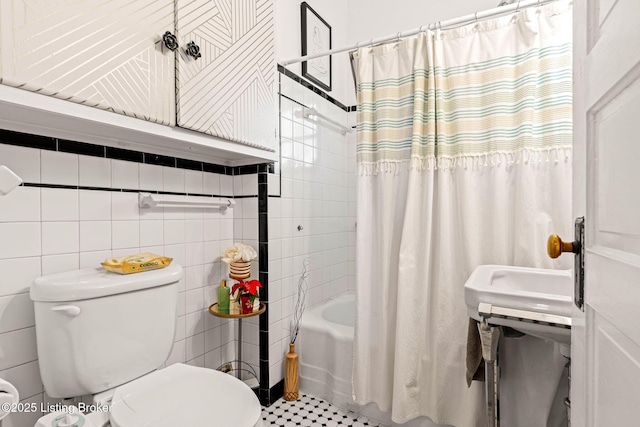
point(16, 312)
point(211, 183)
point(93, 259)
point(59, 204)
point(226, 185)
point(151, 178)
point(125, 234)
point(194, 230)
point(60, 237)
point(95, 235)
point(20, 239)
point(181, 309)
point(194, 300)
point(180, 329)
point(211, 230)
point(94, 172)
point(238, 189)
point(276, 372)
point(212, 339)
point(25, 162)
point(26, 378)
point(194, 322)
point(193, 182)
point(125, 175)
point(25, 419)
point(177, 354)
point(21, 205)
point(59, 168)
point(273, 185)
point(212, 251)
point(124, 206)
point(151, 233)
point(177, 252)
point(52, 264)
point(213, 359)
point(195, 277)
point(174, 232)
point(94, 205)
point(173, 179)
point(18, 274)
point(18, 347)
point(250, 184)
point(195, 254)
point(249, 229)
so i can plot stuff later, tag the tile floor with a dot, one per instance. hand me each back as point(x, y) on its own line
point(311, 411)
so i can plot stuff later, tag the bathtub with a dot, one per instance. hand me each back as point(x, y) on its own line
point(325, 350)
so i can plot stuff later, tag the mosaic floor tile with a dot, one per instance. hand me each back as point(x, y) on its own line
point(311, 411)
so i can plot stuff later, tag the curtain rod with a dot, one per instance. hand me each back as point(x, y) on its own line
point(456, 22)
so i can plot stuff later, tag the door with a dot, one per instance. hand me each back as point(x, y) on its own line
point(229, 90)
point(605, 389)
point(103, 53)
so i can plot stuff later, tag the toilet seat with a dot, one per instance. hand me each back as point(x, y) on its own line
point(183, 395)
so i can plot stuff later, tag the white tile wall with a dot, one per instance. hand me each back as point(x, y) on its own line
point(45, 231)
point(317, 190)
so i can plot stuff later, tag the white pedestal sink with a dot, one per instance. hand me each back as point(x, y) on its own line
point(533, 301)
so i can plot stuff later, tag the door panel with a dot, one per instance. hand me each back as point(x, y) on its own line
point(103, 53)
point(229, 91)
point(606, 338)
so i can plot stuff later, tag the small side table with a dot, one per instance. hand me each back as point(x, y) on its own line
point(213, 309)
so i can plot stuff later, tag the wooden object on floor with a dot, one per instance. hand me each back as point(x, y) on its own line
point(291, 375)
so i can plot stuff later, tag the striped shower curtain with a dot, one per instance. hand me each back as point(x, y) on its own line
point(464, 144)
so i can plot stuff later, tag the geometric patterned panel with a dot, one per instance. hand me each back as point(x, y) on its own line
point(230, 91)
point(106, 54)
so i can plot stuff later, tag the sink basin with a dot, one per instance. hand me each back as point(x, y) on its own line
point(534, 301)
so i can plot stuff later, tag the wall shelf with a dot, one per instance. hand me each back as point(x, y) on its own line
point(29, 112)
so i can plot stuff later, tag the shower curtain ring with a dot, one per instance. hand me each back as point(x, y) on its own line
point(398, 36)
point(518, 7)
point(476, 16)
point(440, 25)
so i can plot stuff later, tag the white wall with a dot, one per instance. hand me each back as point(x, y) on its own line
point(288, 39)
point(315, 195)
point(48, 230)
point(360, 20)
point(376, 18)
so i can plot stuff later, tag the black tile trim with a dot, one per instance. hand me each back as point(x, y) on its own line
point(276, 392)
point(157, 159)
point(75, 147)
point(246, 197)
point(81, 148)
point(126, 155)
point(28, 140)
point(118, 190)
point(312, 88)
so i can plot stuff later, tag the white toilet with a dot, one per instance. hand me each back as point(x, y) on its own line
point(105, 334)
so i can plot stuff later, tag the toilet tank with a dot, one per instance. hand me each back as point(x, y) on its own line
point(96, 329)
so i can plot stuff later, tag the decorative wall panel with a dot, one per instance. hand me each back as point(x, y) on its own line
point(103, 53)
point(229, 91)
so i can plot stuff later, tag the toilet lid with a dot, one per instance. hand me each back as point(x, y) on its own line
point(183, 395)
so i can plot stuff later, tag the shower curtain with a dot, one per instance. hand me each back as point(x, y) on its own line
point(464, 143)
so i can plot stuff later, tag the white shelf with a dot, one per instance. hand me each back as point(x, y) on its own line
point(30, 112)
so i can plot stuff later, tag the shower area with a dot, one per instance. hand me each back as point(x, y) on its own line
point(457, 154)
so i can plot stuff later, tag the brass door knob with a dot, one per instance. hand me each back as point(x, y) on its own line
point(555, 246)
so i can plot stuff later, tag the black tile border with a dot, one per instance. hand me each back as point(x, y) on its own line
point(86, 149)
point(315, 89)
point(120, 190)
point(276, 392)
point(263, 276)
